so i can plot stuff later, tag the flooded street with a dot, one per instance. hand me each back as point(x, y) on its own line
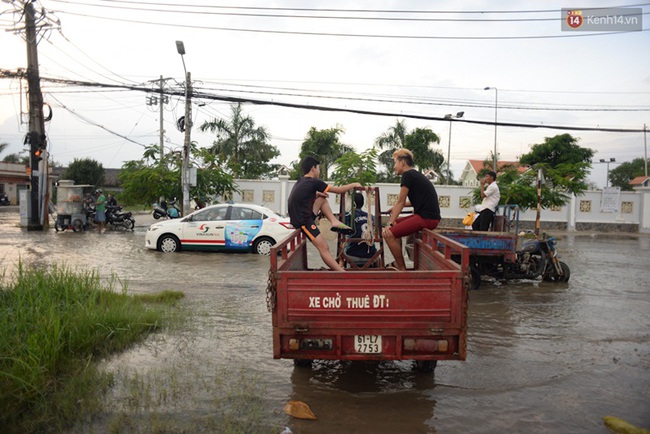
point(542, 357)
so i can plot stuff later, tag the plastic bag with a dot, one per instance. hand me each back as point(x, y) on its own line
point(469, 219)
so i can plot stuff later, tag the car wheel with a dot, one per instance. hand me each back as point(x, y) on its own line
point(169, 244)
point(263, 245)
point(129, 224)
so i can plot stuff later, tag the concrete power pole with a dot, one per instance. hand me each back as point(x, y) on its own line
point(186, 146)
point(36, 135)
point(161, 100)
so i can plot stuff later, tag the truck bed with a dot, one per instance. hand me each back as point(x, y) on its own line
point(371, 314)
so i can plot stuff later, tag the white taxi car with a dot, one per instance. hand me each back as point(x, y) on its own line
point(231, 227)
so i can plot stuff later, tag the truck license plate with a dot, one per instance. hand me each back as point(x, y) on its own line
point(367, 344)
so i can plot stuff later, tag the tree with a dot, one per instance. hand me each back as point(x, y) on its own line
point(325, 146)
point(621, 175)
point(424, 158)
point(150, 178)
point(564, 165)
point(560, 149)
point(85, 171)
point(353, 167)
point(241, 145)
point(15, 158)
point(418, 141)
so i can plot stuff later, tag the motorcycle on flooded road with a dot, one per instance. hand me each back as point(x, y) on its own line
point(164, 210)
point(116, 218)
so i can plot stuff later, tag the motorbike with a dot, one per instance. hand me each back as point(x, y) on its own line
point(117, 218)
point(164, 210)
point(539, 257)
point(4, 199)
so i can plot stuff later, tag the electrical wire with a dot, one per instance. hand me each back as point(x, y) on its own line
point(90, 122)
point(352, 35)
point(372, 11)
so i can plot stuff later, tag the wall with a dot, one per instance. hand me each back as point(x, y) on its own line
point(582, 213)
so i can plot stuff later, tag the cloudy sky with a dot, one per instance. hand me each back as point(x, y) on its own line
point(404, 59)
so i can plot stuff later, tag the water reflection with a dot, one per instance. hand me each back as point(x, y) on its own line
point(383, 397)
point(542, 357)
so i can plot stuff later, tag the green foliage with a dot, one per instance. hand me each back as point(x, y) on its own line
point(560, 149)
point(325, 146)
point(564, 166)
point(15, 158)
point(52, 324)
point(621, 175)
point(148, 179)
point(417, 141)
point(353, 167)
point(85, 171)
point(240, 145)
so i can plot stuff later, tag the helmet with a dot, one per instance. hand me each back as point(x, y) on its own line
point(98, 191)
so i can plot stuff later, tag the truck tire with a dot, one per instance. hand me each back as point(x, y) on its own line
point(475, 273)
point(426, 365)
point(302, 363)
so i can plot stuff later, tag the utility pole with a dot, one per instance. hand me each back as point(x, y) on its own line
point(186, 145)
point(36, 135)
point(161, 100)
point(187, 124)
point(645, 150)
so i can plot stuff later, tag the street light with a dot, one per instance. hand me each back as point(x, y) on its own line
point(611, 160)
point(450, 117)
point(180, 47)
point(496, 104)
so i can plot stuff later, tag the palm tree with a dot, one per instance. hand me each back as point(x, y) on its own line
point(240, 144)
point(418, 141)
point(325, 146)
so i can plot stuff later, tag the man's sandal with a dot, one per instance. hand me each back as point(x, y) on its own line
point(392, 266)
point(343, 229)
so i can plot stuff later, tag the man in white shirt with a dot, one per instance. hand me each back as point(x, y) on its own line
point(491, 197)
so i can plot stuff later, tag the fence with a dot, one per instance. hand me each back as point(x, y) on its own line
point(593, 211)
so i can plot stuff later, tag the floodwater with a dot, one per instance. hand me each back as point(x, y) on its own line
point(542, 357)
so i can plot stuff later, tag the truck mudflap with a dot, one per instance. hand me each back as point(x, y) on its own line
point(371, 314)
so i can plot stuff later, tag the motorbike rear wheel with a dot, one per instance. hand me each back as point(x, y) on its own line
point(129, 224)
point(551, 274)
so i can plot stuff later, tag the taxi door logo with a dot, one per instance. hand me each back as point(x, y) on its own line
point(574, 19)
point(204, 229)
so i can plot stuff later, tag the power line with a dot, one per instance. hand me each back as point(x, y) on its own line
point(373, 11)
point(347, 110)
point(90, 122)
point(352, 35)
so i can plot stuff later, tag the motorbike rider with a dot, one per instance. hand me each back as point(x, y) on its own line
point(111, 201)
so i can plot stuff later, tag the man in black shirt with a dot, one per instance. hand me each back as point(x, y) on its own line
point(421, 196)
point(307, 199)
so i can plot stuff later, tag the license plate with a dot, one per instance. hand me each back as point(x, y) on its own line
point(367, 344)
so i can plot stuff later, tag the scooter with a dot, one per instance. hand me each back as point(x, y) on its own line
point(164, 211)
point(4, 199)
point(116, 218)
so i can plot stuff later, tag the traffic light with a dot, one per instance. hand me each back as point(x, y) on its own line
point(38, 153)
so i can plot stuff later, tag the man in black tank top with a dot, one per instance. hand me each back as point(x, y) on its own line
point(416, 191)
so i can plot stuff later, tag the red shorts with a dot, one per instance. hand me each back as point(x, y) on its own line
point(411, 224)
